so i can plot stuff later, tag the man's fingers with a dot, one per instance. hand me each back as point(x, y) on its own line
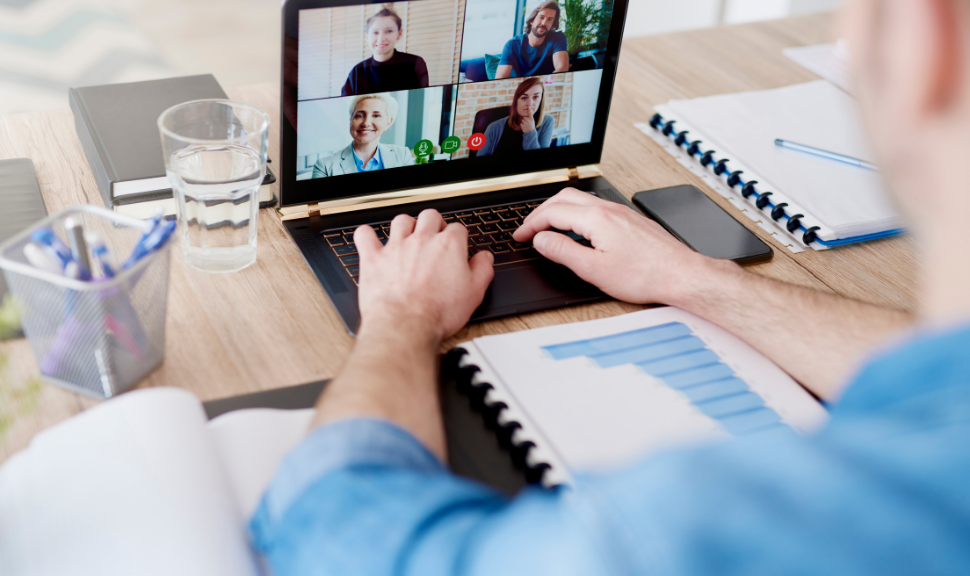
point(401, 227)
point(562, 249)
point(429, 222)
point(482, 271)
point(579, 219)
point(366, 240)
point(573, 196)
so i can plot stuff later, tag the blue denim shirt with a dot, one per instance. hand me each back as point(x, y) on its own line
point(883, 489)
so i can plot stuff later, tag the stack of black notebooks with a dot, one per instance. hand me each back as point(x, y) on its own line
point(118, 128)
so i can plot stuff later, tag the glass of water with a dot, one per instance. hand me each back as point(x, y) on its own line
point(215, 158)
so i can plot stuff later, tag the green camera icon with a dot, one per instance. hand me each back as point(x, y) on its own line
point(451, 144)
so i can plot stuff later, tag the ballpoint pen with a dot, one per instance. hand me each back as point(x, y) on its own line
point(100, 253)
point(79, 248)
point(825, 154)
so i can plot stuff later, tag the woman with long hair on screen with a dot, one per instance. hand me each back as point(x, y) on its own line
point(370, 116)
point(387, 70)
point(526, 127)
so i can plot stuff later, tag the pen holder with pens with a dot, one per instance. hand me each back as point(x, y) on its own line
point(101, 336)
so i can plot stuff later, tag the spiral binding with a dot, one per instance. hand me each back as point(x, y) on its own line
point(762, 200)
point(492, 413)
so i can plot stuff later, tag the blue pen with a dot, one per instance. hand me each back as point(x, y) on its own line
point(100, 253)
point(55, 247)
point(825, 154)
point(152, 241)
point(45, 237)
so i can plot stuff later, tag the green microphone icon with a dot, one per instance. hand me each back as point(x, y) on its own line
point(423, 148)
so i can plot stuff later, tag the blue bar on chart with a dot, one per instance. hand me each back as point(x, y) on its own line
point(673, 354)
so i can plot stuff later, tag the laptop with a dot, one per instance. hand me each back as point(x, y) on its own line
point(480, 109)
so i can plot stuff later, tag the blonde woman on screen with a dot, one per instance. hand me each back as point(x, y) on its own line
point(370, 117)
point(387, 70)
point(526, 128)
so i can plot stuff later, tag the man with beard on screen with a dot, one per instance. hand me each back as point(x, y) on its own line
point(541, 50)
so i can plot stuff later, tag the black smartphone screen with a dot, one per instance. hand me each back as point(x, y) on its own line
point(697, 221)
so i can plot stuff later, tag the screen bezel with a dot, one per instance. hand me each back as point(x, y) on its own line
point(295, 192)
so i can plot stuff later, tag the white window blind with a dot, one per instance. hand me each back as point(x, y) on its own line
point(332, 42)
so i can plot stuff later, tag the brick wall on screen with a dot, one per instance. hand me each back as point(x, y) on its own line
point(483, 95)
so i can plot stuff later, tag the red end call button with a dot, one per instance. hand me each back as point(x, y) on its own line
point(476, 141)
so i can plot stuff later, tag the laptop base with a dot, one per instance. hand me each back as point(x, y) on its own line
point(516, 289)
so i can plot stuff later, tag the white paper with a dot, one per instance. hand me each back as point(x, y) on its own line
point(851, 201)
point(133, 486)
point(252, 444)
point(599, 418)
point(830, 61)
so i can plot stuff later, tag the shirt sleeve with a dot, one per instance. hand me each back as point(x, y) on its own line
point(492, 135)
point(506, 58)
point(541, 137)
point(348, 88)
point(421, 69)
point(560, 43)
point(364, 497)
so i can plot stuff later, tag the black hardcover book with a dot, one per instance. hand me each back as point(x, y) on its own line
point(118, 128)
point(21, 204)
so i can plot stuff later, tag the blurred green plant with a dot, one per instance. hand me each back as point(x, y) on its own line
point(580, 24)
point(586, 23)
point(15, 400)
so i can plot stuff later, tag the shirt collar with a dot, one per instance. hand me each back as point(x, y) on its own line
point(375, 163)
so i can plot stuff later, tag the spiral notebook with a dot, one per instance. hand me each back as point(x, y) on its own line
point(596, 395)
point(805, 201)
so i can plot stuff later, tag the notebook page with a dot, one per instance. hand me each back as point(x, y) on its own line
point(851, 201)
point(132, 486)
point(830, 61)
point(609, 391)
point(252, 444)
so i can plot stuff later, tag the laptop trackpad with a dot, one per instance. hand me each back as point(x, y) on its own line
point(514, 289)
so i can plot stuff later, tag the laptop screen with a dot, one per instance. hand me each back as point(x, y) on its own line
point(386, 96)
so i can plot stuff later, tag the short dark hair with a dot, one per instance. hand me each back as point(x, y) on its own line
point(386, 12)
point(549, 5)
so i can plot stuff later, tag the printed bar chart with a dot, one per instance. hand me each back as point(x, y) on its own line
point(674, 355)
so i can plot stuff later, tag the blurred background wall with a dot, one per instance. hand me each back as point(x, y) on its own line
point(47, 46)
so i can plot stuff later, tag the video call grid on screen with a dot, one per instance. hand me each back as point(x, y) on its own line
point(445, 80)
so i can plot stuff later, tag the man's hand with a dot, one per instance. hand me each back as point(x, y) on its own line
point(422, 278)
point(632, 259)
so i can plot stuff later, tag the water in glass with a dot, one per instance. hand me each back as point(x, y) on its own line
point(217, 188)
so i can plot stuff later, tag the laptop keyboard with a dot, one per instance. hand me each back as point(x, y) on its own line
point(489, 228)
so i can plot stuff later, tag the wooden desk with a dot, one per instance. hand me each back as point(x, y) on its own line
point(271, 325)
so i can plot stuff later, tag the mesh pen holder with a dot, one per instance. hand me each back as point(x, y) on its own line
point(98, 338)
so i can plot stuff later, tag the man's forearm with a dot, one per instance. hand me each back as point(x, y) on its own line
point(816, 337)
point(391, 374)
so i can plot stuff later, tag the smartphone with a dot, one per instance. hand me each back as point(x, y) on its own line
point(699, 222)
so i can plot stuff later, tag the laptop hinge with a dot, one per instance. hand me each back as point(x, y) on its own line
point(381, 200)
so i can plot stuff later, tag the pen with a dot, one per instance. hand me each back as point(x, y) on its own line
point(41, 259)
point(151, 241)
point(79, 248)
point(100, 252)
point(825, 154)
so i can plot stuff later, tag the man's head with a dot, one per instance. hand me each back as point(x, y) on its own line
point(370, 116)
point(542, 20)
point(911, 60)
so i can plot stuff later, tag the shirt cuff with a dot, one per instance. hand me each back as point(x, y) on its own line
point(341, 445)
